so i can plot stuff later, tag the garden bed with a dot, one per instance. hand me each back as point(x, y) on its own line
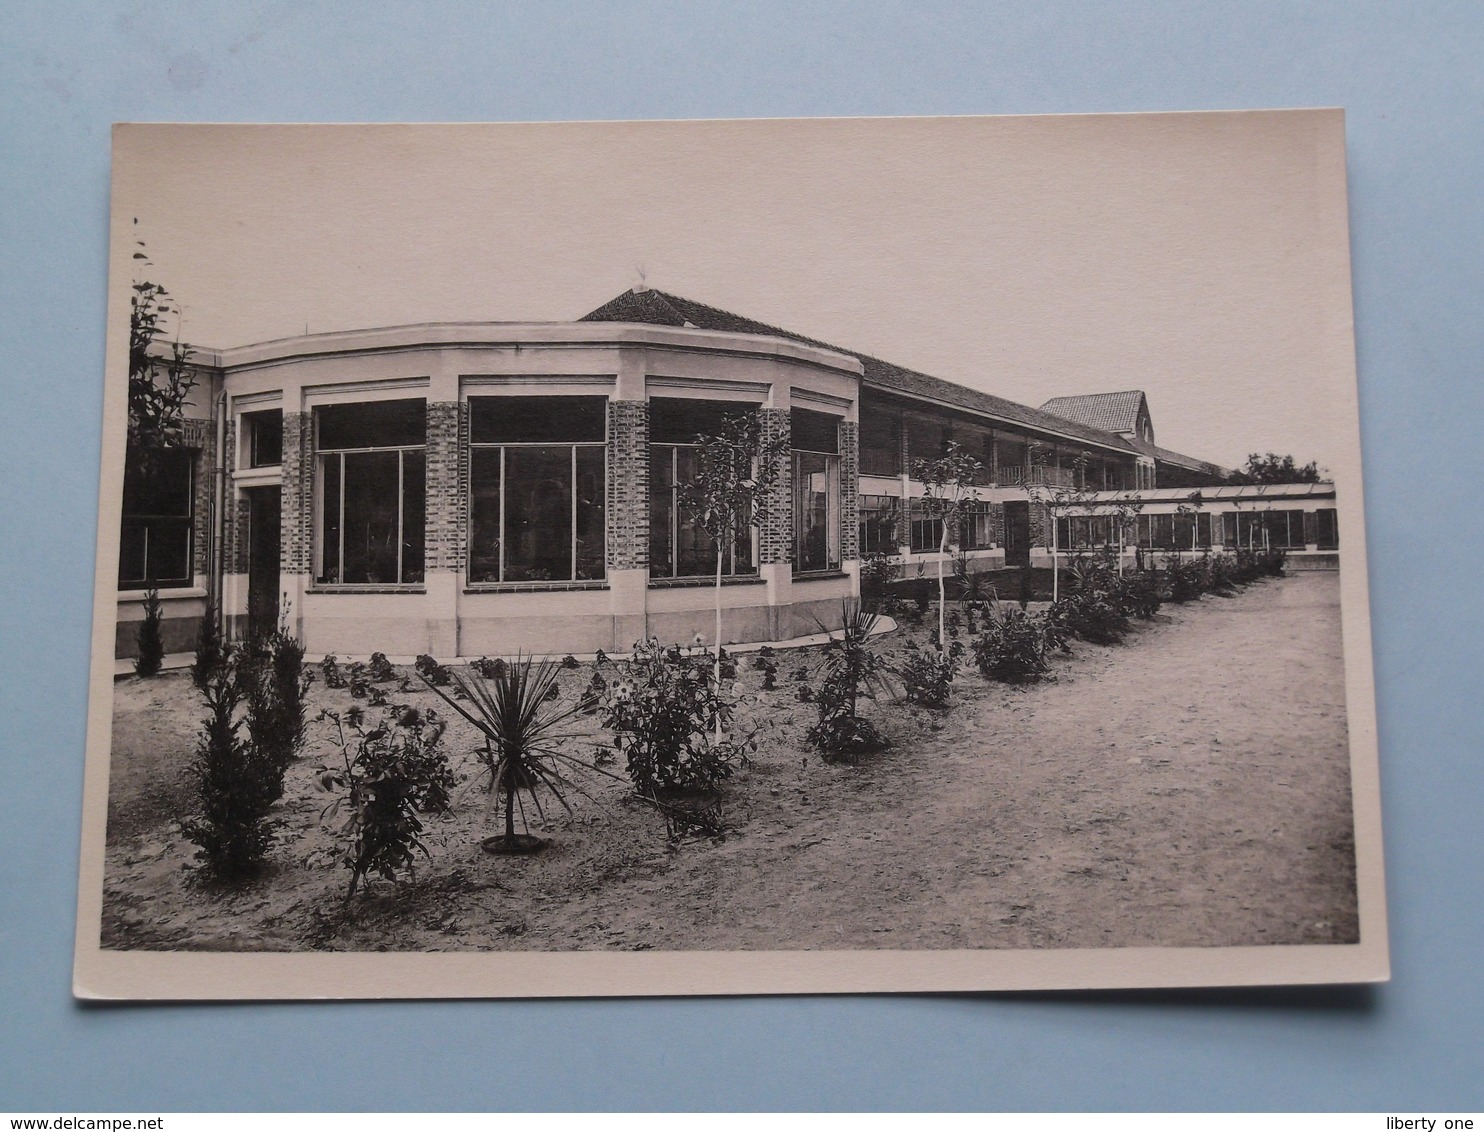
point(1189, 787)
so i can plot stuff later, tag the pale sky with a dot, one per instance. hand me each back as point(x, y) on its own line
point(1199, 257)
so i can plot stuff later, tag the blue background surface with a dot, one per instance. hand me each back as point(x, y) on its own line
point(1409, 75)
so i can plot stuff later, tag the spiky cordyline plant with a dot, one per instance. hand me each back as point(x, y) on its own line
point(524, 728)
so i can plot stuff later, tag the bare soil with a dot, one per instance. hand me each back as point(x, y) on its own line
point(1187, 788)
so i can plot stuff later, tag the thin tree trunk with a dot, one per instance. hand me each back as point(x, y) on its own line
point(942, 596)
point(510, 814)
point(718, 639)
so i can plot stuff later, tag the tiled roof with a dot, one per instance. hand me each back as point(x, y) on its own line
point(1114, 412)
point(664, 309)
point(1191, 463)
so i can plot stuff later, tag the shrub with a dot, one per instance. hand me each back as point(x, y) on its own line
point(1184, 579)
point(276, 685)
point(151, 644)
point(770, 677)
point(570, 663)
point(1092, 615)
point(391, 773)
point(592, 696)
point(878, 572)
point(211, 651)
point(927, 676)
point(1141, 596)
point(236, 785)
point(1271, 562)
point(379, 669)
point(851, 669)
point(487, 669)
point(329, 668)
point(1013, 645)
point(437, 675)
point(663, 712)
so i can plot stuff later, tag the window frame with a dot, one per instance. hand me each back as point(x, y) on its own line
point(322, 456)
point(151, 520)
point(729, 561)
point(502, 508)
point(833, 494)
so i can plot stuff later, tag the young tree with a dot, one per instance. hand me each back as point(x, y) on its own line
point(158, 387)
point(948, 484)
point(736, 469)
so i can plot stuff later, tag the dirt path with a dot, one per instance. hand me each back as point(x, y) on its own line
point(1189, 787)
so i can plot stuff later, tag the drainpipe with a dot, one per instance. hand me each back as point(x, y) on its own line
point(219, 493)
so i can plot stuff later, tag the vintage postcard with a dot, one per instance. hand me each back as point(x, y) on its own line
point(779, 556)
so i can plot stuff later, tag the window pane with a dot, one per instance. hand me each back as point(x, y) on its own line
point(695, 552)
point(538, 514)
point(157, 481)
point(816, 491)
point(370, 534)
point(591, 507)
point(1329, 528)
point(373, 424)
point(484, 515)
point(815, 432)
point(133, 546)
point(264, 438)
point(674, 420)
point(661, 511)
point(329, 550)
point(414, 515)
point(536, 420)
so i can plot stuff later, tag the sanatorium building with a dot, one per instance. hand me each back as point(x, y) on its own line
point(473, 489)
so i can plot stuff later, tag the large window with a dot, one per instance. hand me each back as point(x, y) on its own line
point(372, 493)
point(537, 486)
point(1083, 532)
point(816, 457)
point(878, 524)
point(678, 546)
point(155, 539)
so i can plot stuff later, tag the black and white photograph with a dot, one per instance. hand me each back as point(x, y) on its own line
point(757, 556)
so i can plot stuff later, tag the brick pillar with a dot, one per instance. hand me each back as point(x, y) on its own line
point(201, 435)
point(997, 524)
point(849, 491)
point(628, 485)
point(776, 518)
point(445, 488)
point(297, 523)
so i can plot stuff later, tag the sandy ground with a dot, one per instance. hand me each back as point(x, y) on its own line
point(1189, 787)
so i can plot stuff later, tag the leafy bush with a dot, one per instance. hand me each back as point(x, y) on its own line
point(851, 670)
point(878, 572)
point(1141, 595)
point(379, 669)
point(1184, 578)
point(391, 773)
point(1012, 646)
point(434, 673)
point(487, 669)
point(329, 668)
point(236, 785)
point(1092, 615)
point(1271, 562)
point(927, 676)
point(211, 651)
point(770, 677)
point(151, 645)
point(663, 712)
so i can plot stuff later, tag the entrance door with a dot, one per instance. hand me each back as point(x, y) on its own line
point(262, 560)
point(1017, 534)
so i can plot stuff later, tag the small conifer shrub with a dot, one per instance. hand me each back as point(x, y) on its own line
point(151, 645)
